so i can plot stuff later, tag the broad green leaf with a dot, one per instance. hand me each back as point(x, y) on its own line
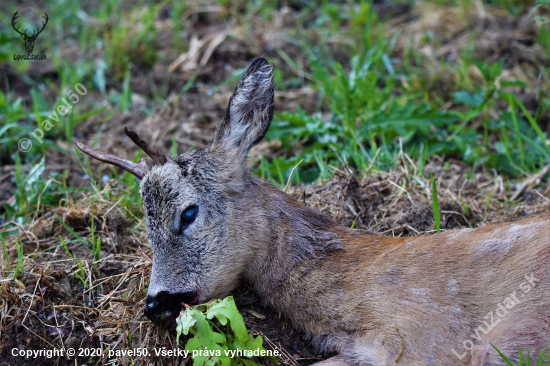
point(469, 99)
point(184, 321)
point(197, 320)
point(227, 309)
point(248, 362)
point(506, 83)
point(35, 173)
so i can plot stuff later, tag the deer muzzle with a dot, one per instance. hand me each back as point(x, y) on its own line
point(164, 307)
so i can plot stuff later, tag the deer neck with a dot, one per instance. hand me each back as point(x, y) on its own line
point(304, 265)
point(289, 239)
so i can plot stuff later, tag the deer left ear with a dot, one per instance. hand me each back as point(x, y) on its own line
point(250, 110)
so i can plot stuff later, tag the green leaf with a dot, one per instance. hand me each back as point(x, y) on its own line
point(226, 309)
point(254, 344)
point(193, 344)
point(506, 83)
point(207, 336)
point(469, 99)
point(489, 72)
point(34, 174)
point(39, 101)
point(66, 248)
point(184, 322)
point(219, 338)
point(204, 336)
point(248, 362)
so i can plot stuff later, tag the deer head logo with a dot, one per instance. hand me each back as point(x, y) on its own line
point(29, 39)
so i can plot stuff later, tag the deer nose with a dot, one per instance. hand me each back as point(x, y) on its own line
point(163, 306)
point(153, 309)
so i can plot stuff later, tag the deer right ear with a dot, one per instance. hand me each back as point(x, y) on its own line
point(250, 110)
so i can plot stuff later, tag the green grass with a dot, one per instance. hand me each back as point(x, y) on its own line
point(370, 109)
point(435, 205)
point(527, 361)
point(96, 244)
point(106, 54)
point(79, 273)
point(31, 190)
point(6, 257)
point(19, 269)
point(77, 237)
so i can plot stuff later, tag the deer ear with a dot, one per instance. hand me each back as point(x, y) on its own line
point(250, 110)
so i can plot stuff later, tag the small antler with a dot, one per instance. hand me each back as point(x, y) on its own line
point(13, 21)
point(137, 169)
point(159, 158)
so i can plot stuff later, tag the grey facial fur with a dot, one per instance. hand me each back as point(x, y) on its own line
point(182, 261)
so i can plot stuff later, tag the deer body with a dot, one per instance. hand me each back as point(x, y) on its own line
point(353, 289)
point(373, 299)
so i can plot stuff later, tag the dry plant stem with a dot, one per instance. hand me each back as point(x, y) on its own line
point(290, 177)
point(282, 351)
point(543, 172)
point(38, 336)
point(59, 333)
point(30, 305)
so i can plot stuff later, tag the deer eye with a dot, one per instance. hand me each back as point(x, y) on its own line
point(188, 216)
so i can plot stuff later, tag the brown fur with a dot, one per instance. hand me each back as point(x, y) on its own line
point(373, 299)
point(435, 290)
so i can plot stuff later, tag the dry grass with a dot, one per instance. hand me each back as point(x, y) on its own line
point(399, 202)
point(49, 307)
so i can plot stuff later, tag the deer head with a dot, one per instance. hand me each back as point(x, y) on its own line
point(191, 200)
point(29, 40)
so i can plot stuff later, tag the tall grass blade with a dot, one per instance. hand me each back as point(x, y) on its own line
point(435, 204)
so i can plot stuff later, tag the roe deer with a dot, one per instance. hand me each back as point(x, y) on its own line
point(375, 300)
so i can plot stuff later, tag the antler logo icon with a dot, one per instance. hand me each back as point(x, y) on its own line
point(29, 39)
